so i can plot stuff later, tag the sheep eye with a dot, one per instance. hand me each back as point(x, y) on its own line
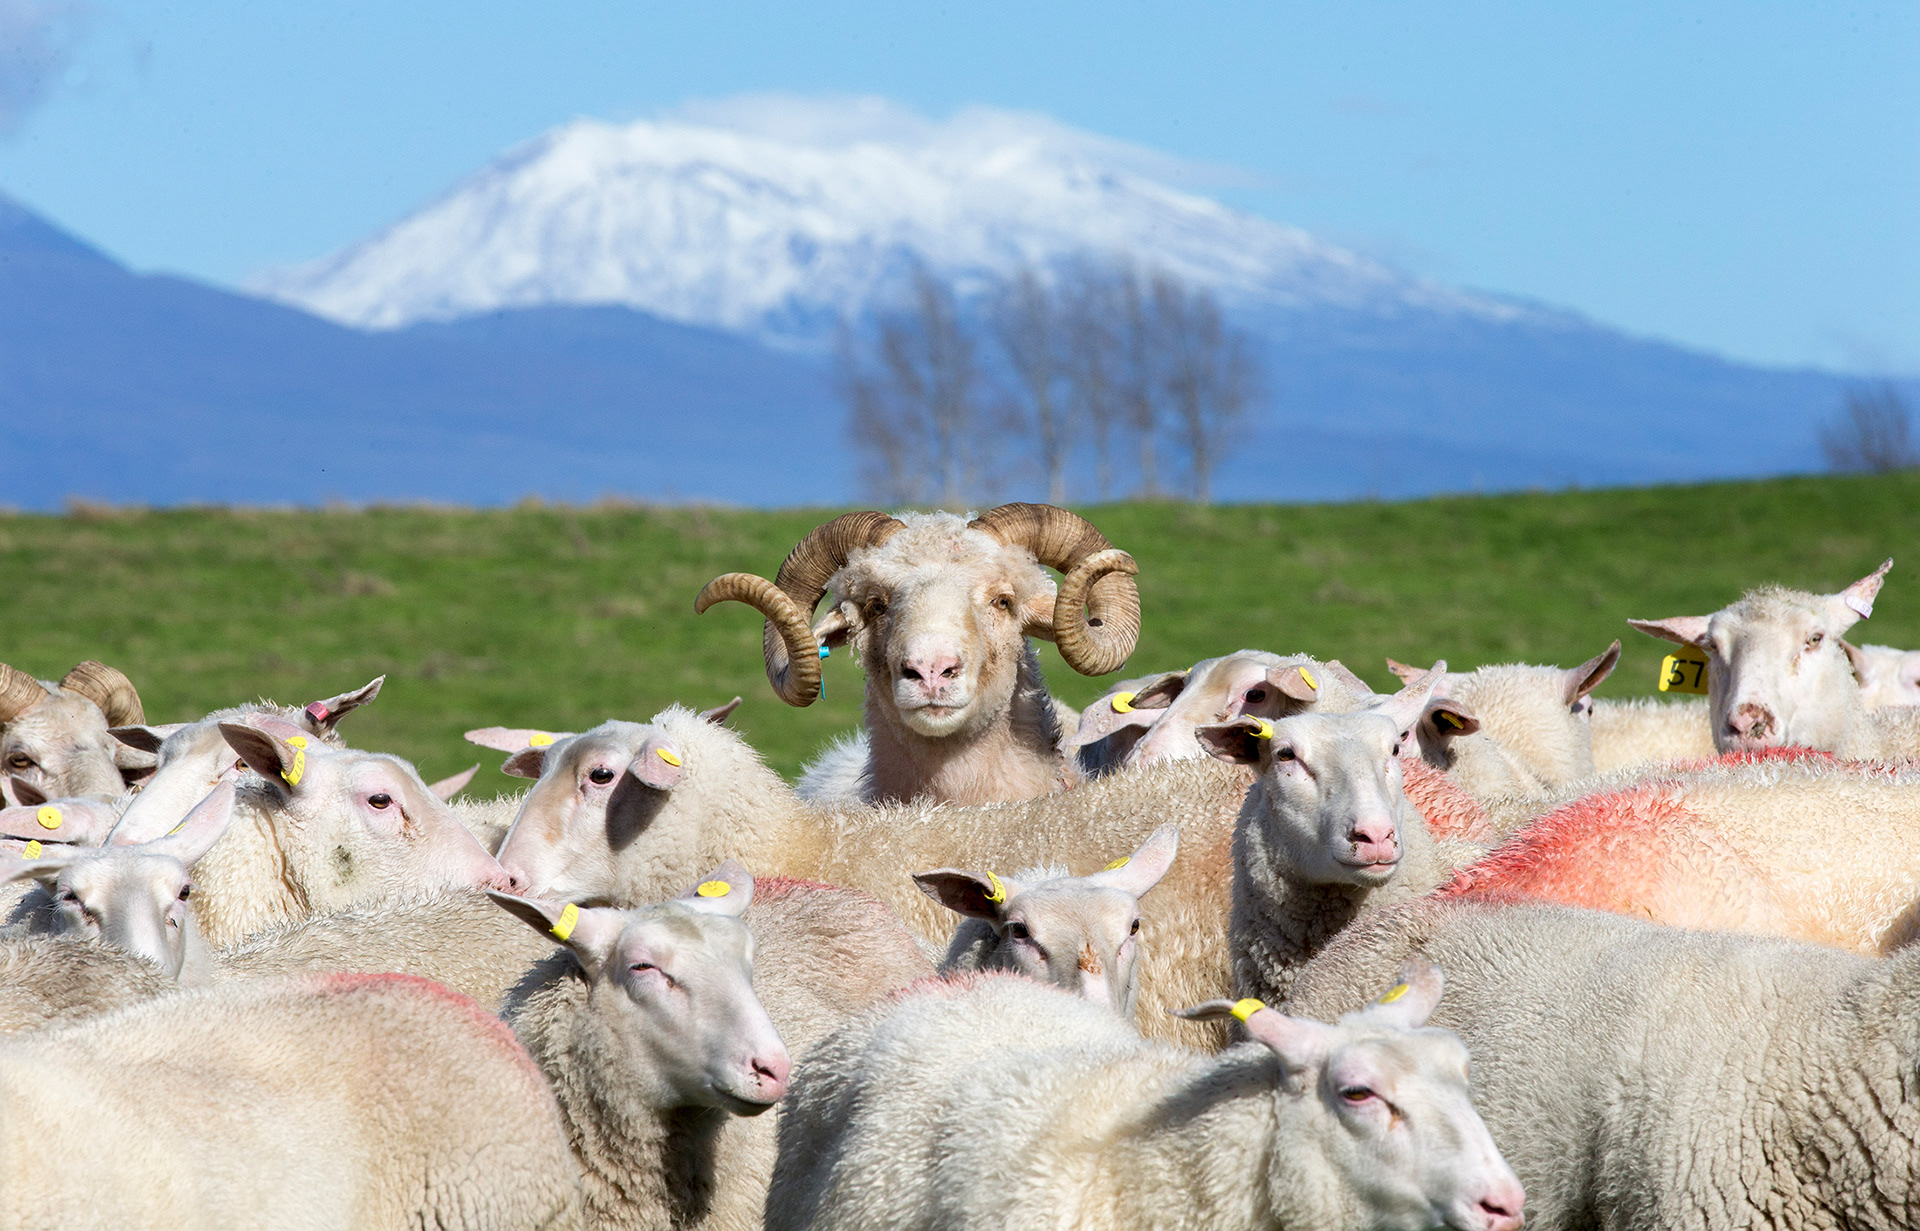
point(20, 760)
point(1019, 931)
point(1257, 695)
point(380, 800)
point(1135, 929)
point(68, 895)
point(186, 891)
point(1356, 1094)
point(1285, 754)
point(876, 607)
point(1813, 642)
point(1003, 603)
point(600, 774)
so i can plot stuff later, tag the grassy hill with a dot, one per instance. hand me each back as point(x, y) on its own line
point(562, 617)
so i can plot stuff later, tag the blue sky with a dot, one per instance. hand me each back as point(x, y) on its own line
point(1741, 177)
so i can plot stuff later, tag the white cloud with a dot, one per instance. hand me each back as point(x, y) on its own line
point(37, 41)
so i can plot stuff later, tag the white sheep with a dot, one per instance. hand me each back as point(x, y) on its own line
point(1649, 730)
point(51, 980)
point(1648, 1077)
point(54, 737)
point(990, 1102)
point(1778, 673)
point(938, 609)
point(1080, 933)
point(331, 1101)
point(1887, 676)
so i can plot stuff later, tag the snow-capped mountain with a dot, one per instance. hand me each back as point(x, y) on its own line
point(772, 215)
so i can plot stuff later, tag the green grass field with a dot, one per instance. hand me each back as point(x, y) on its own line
point(562, 617)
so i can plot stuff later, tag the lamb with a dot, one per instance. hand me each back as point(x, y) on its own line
point(938, 609)
point(626, 808)
point(1778, 673)
point(327, 1101)
point(1327, 834)
point(1736, 844)
point(1887, 676)
point(650, 1032)
point(318, 829)
point(1639, 1076)
point(53, 737)
point(990, 1101)
point(1154, 718)
point(1649, 730)
point(1079, 933)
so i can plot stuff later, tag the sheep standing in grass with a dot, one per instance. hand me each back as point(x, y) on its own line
point(1650, 1078)
point(989, 1101)
point(54, 737)
point(1778, 673)
point(331, 1101)
point(938, 610)
point(1080, 933)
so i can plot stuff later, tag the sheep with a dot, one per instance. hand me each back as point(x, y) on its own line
point(938, 609)
point(1512, 728)
point(627, 1024)
point(85, 821)
point(1778, 673)
point(991, 1101)
point(54, 738)
point(1736, 844)
point(132, 898)
point(1327, 833)
point(1642, 730)
point(327, 1101)
point(627, 810)
point(1075, 932)
point(1155, 718)
point(1639, 1076)
point(1887, 676)
point(318, 828)
point(52, 980)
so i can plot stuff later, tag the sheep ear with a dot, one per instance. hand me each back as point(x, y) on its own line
point(727, 890)
point(195, 836)
point(834, 628)
point(267, 754)
point(590, 932)
point(1238, 742)
point(1295, 682)
point(45, 867)
point(1142, 870)
point(1586, 677)
point(1159, 695)
point(1681, 630)
point(26, 794)
point(324, 716)
point(1406, 706)
point(1854, 655)
point(659, 763)
point(1125, 708)
point(977, 895)
point(447, 788)
point(1856, 601)
point(526, 763)
point(719, 714)
point(1339, 671)
point(514, 739)
point(142, 738)
point(1410, 1002)
point(1443, 720)
point(1402, 670)
point(1299, 1042)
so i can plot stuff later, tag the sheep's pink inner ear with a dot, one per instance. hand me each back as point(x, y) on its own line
point(1300, 1043)
point(1402, 670)
point(526, 763)
point(658, 763)
point(719, 714)
point(1411, 1001)
point(1681, 630)
point(1231, 741)
point(1446, 719)
point(1860, 595)
point(1586, 677)
point(447, 788)
point(1291, 681)
point(968, 893)
point(263, 754)
point(1160, 694)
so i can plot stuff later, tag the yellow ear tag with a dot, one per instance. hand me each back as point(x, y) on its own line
point(297, 741)
point(999, 893)
point(49, 817)
point(1308, 677)
point(1123, 702)
point(569, 915)
point(1264, 730)
point(1684, 670)
point(539, 739)
point(1121, 862)
point(713, 889)
point(298, 770)
point(32, 850)
point(669, 756)
point(1248, 1007)
point(1450, 721)
point(1393, 993)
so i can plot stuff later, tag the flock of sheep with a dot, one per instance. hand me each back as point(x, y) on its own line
point(1242, 945)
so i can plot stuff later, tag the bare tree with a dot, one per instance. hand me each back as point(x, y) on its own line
point(1138, 372)
point(913, 393)
point(1091, 324)
point(1026, 319)
point(1208, 372)
point(1872, 433)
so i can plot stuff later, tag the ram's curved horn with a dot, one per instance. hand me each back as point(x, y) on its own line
point(107, 688)
point(19, 692)
point(1096, 617)
point(792, 653)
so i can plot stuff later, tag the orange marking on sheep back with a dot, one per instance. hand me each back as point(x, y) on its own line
point(1786, 754)
point(1607, 851)
point(491, 1027)
point(1449, 811)
point(783, 886)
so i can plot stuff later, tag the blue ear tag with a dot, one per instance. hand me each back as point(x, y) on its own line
point(824, 653)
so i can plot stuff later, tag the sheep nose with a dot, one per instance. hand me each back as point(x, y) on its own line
point(1372, 831)
point(1501, 1208)
point(511, 880)
point(1750, 720)
point(931, 669)
point(771, 1073)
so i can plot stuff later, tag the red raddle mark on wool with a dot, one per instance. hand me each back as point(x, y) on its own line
point(1449, 811)
point(491, 1027)
point(1600, 851)
point(784, 886)
point(1786, 754)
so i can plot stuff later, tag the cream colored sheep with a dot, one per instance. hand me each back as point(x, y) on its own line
point(1649, 730)
point(54, 737)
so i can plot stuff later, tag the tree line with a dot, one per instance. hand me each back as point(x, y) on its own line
point(1128, 381)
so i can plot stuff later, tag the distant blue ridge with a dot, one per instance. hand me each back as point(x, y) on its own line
point(152, 389)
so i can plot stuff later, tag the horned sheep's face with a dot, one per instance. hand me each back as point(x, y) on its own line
point(938, 616)
point(61, 748)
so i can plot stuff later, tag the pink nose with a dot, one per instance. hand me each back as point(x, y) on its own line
point(508, 880)
point(770, 1074)
point(1501, 1208)
point(932, 671)
point(1374, 839)
point(1751, 720)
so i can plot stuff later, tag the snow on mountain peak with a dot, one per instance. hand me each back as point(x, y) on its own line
point(772, 214)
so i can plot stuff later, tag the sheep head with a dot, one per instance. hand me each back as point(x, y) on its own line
point(55, 737)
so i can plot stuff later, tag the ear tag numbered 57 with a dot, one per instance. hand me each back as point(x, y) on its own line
point(1684, 670)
